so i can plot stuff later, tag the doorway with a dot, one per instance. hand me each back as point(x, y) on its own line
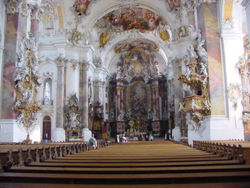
point(46, 128)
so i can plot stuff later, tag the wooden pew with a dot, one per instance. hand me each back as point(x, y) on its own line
point(229, 148)
point(23, 154)
point(134, 163)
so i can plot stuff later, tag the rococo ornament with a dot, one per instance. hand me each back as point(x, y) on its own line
point(73, 128)
point(234, 93)
point(12, 6)
point(75, 36)
point(195, 75)
point(26, 84)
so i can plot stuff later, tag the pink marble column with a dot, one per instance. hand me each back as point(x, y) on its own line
point(15, 32)
point(83, 93)
point(60, 92)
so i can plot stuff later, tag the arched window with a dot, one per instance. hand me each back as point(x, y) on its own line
point(47, 92)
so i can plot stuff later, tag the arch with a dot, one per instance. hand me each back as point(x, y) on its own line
point(46, 128)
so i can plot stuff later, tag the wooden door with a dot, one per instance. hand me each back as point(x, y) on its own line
point(47, 128)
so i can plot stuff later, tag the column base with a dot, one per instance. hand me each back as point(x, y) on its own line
point(58, 135)
point(10, 131)
point(86, 134)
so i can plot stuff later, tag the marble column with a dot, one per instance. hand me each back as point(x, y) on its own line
point(246, 4)
point(15, 31)
point(83, 99)
point(97, 91)
point(60, 92)
point(2, 29)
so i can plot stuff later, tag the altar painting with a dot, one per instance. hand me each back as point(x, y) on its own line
point(138, 100)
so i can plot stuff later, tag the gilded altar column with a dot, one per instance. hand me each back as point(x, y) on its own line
point(120, 105)
point(122, 99)
point(120, 109)
point(155, 92)
point(118, 95)
point(15, 32)
point(83, 99)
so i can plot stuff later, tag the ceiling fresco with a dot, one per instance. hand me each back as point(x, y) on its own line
point(143, 44)
point(130, 18)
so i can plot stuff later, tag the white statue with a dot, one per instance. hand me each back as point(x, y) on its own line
point(202, 53)
point(121, 115)
point(181, 107)
point(191, 52)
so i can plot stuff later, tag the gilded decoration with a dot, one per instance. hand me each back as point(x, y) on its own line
point(104, 38)
point(49, 14)
point(164, 35)
point(137, 60)
point(75, 36)
point(26, 84)
point(243, 67)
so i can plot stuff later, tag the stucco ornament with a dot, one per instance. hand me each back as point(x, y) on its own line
point(234, 93)
point(12, 6)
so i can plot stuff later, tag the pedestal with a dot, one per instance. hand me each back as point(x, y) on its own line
point(10, 131)
point(59, 135)
point(86, 134)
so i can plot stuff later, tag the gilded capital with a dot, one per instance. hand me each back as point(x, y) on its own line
point(84, 65)
point(12, 6)
point(61, 61)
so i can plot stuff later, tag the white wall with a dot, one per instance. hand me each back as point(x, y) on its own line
point(2, 31)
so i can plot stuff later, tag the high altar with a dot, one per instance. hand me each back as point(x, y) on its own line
point(138, 89)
